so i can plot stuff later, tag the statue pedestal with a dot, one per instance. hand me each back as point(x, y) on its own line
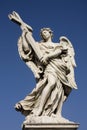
point(61, 126)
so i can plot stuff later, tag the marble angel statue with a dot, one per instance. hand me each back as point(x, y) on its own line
point(53, 67)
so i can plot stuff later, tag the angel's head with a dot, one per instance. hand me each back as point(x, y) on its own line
point(46, 33)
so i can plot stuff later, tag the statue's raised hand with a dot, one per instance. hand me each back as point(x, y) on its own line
point(45, 59)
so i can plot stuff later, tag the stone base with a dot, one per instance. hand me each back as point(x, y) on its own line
point(61, 126)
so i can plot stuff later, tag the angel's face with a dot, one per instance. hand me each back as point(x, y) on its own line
point(46, 34)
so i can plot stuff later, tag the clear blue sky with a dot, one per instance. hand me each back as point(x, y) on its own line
point(64, 17)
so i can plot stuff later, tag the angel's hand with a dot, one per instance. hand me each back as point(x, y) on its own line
point(23, 28)
point(45, 59)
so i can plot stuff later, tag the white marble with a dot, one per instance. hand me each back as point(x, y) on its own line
point(53, 67)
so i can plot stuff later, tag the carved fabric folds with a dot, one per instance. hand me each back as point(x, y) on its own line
point(63, 87)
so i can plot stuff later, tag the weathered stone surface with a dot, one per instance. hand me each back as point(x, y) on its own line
point(53, 67)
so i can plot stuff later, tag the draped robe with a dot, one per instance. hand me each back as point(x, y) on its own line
point(59, 69)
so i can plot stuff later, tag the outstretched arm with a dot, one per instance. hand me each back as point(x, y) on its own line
point(30, 40)
point(51, 55)
point(54, 54)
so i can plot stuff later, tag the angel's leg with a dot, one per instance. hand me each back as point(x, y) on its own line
point(46, 92)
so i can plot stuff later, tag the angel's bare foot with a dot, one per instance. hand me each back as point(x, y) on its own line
point(18, 107)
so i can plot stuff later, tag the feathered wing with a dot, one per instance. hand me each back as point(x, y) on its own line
point(69, 59)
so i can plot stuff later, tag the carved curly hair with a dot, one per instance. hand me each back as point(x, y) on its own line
point(47, 29)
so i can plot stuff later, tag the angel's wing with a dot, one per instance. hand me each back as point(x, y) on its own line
point(69, 59)
point(65, 42)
